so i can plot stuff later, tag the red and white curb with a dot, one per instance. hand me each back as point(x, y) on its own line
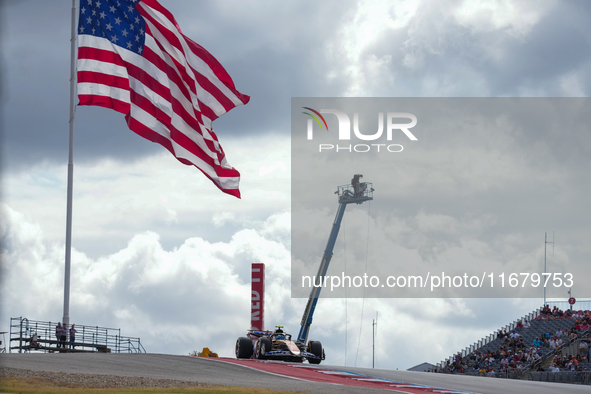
point(320, 375)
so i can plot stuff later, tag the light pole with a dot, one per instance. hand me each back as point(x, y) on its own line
point(374, 324)
point(545, 243)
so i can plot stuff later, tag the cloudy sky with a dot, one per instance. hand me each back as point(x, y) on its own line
point(161, 253)
point(469, 195)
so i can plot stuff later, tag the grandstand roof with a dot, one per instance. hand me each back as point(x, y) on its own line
point(422, 367)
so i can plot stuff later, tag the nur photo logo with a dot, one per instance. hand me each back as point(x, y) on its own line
point(393, 127)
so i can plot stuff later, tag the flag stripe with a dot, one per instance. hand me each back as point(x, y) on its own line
point(169, 87)
point(164, 105)
point(228, 185)
point(207, 91)
point(163, 61)
point(210, 61)
point(151, 116)
point(202, 69)
point(207, 97)
point(101, 54)
point(178, 129)
point(103, 67)
point(171, 79)
point(103, 79)
point(103, 101)
point(174, 76)
point(189, 115)
point(178, 102)
point(226, 179)
point(104, 90)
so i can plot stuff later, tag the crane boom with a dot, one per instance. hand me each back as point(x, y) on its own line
point(356, 192)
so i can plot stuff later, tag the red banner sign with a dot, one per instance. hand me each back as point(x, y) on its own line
point(257, 299)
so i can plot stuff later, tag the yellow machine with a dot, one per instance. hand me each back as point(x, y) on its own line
point(207, 353)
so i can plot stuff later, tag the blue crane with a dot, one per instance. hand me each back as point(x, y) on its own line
point(355, 193)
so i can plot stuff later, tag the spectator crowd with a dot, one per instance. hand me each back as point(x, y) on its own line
point(511, 353)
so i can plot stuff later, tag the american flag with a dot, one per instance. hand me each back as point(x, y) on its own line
point(133, 58)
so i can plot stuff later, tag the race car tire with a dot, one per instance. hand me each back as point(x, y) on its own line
point(263, 346)
point(243, 348)
point(315, 347)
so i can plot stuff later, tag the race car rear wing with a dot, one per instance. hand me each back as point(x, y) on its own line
point(258, 334)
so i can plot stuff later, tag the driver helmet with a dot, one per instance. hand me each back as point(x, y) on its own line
point(280, 336)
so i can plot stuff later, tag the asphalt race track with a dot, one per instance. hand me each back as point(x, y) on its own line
point(276, 375)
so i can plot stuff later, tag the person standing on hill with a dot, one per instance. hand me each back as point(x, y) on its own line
point(58, 334)
point(72, 336)
point(63, 336)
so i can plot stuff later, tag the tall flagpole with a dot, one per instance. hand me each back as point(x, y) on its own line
point(66, 319)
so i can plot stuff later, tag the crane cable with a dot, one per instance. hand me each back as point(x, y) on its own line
point(363, 299)
point(346, 303)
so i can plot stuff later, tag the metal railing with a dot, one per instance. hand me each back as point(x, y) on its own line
point(584, 305)
point(89, 338)
point(573, 377)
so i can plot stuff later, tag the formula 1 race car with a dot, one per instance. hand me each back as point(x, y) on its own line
point(277, 345)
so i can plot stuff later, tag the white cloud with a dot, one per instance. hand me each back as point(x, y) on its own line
point(114, 200)
point(219, 219)
point(366, 25)
point(194, 290)
point(572, 84)
point(450, 48)
point(509, 17)
point(197, 295)
point(126, 271)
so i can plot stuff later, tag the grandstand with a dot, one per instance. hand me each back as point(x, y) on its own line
point(548, 344)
